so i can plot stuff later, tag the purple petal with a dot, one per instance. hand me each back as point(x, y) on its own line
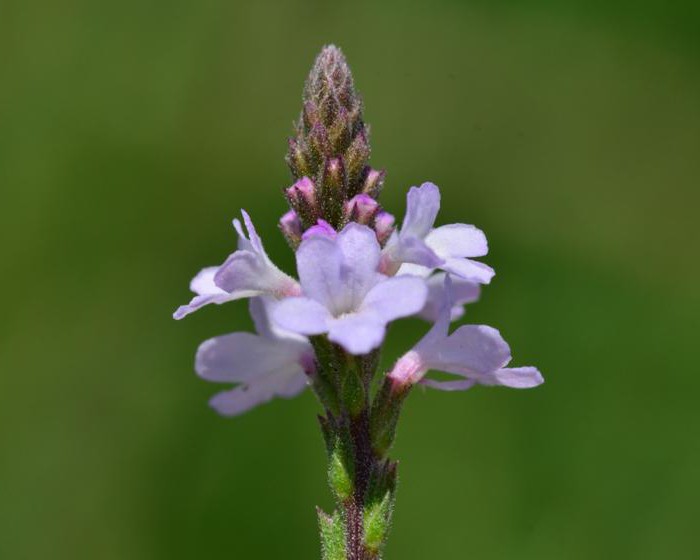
point(422, 206)
point(243, 398)
point(207, 292)
point(472, 350)
point(517, 378)
point(396, 297)
point(456, 385)
point(437, 335)
point(243, 271)
point(241, 356)
point(469, 270)
point(255, 240)
point(357, 333)
point(463, 292)
point(361, 253)
point(203, 283)
point(414, 250)
point(301, 315)
point(457, 240)
point(200, 301)
point(261, 311)
point(319, 262)
point(321, 229)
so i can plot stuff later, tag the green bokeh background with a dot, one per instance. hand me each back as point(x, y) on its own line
point(132, 132)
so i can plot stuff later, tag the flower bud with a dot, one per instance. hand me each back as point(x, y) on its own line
point(332, 188)
point(290, 224)
point(297, 160)
point(361, 208)
point(373, 183)
point(383, 226)
point(357, 157)
point(310, 115)
point(319, 142)
point(302, 198)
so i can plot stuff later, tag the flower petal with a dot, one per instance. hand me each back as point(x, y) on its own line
point(243, 398)
point(203, 283)
point(469, 270)
point(319, 262)
point(241, 356)
point(411, 249)
point(463, 292)
point(456, 385)
point(422, 206)
point(200, 301)
point(472, 350)
point(251, 275)
point(517, 378)
point(301, 315)
point(457, 240)
point(207, 292)
point(255, 240)
point(358, 333)
point(361, 253)
point(396, 297)
point(261, 311)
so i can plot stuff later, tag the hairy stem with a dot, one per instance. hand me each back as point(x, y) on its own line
point(354, 506)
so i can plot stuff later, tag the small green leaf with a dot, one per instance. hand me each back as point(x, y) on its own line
point(377, 521)
point(332, 535)
point(339, 475)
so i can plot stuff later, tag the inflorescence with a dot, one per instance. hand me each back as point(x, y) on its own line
point(357, 272)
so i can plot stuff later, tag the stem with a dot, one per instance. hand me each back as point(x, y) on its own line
point(358, 435)
point(364, 460)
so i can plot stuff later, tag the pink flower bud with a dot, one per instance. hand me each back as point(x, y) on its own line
point(361, 208)
point(290, 224)
point(373, 182)
point(384, 226)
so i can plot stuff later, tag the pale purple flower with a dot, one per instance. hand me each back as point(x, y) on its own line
point(448, 247)
point(476, 353)
point(344, 295)
point(246, 273)
point(272, 363)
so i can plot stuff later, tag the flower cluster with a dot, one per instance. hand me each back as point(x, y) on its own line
point(357, 271)
point(349, 289)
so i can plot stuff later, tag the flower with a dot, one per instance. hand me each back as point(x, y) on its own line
point(344, 295)
point(246, 273)
point(448, 247)
point(477, 353)
point(272, 363)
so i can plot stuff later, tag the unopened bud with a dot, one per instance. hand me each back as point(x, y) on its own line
point(319, 142)
point(340, 132)
point(310, 115)
point(361, 208)
point(357, 157)
point(333, 189)
point(297, 160)
point(383, 226)
point(374, 181)
point(302, 198)
point(290, 224)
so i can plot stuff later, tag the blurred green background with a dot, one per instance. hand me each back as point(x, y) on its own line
point(132, 132)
